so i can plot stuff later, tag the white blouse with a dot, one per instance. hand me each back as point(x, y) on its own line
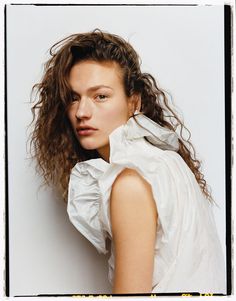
point(188, 254)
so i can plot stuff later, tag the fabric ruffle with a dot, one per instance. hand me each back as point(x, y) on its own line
point(84, 201)
point(86, 198)
point(141, 126)
point(185, 230)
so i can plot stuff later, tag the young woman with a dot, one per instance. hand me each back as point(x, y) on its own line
point(107, 130)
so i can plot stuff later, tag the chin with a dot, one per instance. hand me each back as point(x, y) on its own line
point(88, 147)
point(92, 144)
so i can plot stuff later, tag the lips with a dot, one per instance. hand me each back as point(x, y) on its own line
point(85, 130)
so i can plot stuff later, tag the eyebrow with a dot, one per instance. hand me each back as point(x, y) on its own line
point(95, 88)
point(98, 87)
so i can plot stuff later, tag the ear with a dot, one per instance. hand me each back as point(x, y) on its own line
point(134, 103)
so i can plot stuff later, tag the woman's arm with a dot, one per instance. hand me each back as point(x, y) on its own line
point(134, 221)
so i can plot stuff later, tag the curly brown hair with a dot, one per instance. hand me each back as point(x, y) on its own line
point(53, 142)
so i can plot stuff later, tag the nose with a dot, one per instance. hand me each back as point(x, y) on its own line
point(84, 109)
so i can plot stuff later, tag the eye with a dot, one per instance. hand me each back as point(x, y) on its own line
point(75, 97)
point(101, 97)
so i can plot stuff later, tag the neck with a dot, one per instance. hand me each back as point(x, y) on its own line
point(104, 152)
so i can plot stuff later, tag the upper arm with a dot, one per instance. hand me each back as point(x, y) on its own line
point(134, 220)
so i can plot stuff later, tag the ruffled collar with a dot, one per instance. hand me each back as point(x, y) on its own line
point(137, 127)
point(88, 178)
point(141, 126)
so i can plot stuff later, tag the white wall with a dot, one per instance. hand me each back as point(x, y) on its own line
point(182, 47)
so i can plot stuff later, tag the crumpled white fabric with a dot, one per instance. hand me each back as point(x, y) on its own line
point(84, 201)
point(188, 254)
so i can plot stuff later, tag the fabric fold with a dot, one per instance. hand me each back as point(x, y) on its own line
point(84, 201)
point(185, 227)
point(142, 126)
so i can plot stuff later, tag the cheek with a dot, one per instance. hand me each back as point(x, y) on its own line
point(71, 116)
point(116, 117)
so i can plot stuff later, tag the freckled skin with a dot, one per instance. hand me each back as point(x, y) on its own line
point(99, 102)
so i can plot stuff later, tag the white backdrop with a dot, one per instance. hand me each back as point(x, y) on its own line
point(182, 47)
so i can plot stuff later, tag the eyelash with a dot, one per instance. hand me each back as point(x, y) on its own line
point(97, 97)
point(104, 97)
point(75, 98)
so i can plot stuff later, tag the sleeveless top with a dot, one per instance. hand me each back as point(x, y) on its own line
point(188, 255)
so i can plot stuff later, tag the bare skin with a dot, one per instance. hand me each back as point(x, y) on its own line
point(134, 221)
point(100, 103)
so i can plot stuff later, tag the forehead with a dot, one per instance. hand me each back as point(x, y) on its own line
point(89, 73)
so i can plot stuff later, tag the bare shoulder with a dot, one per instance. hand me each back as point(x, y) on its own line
point(130, 190)
point(133, 215)
point(131, 180)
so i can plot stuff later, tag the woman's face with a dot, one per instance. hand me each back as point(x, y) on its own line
point(99, 103)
